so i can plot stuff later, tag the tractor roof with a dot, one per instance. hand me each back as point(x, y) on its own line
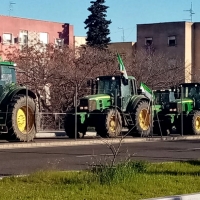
point(7, 63)
point(116, 76)
point(162, 91)
point(189, 84)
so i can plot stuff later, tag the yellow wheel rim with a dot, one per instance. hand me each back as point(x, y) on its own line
point(144, 119)
point(112, 124)
point(197, 123)
point(22, 119)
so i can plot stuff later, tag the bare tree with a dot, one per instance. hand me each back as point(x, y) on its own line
point(158, 71)
point(48, 69)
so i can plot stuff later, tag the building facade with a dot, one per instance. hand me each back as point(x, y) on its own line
point(79, 41)
point(21, 31)
point(177, 40)
point(125, 49)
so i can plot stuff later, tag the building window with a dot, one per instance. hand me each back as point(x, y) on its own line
point(23, 37)
point(43, 37)
point(172, 41)
point(7, 38)
point(148, 41)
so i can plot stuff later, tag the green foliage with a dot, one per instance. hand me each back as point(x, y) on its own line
point(97, 25)
point(119, 173)
point(131, 180)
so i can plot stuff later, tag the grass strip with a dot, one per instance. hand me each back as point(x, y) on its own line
point(131, 180)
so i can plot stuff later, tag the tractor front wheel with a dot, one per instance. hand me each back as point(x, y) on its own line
point(110, 124)
point(142, 119)
point(162, 125)
point(69, 125)
point(22, 122)
point(187, 124)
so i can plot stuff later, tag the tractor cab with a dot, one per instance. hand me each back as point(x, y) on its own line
point(163, 98)
point(118, 88)
point(188, 94)
point(7, 73)
point(109, 91)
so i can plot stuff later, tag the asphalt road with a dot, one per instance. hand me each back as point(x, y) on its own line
point(27, 160)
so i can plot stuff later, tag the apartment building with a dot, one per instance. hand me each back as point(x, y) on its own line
point(21, 31)
point(177, 40)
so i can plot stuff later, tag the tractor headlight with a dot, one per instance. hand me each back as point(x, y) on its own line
point(85, 108)
point(175, 109)
point(81, 108)
point(170, 109)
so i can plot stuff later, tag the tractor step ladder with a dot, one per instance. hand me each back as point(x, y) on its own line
point(128, 119)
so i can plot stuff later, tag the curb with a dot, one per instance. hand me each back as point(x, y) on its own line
point(194, 196)
point(93, 141)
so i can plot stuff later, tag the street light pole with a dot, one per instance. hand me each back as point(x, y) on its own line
point(75, 104)
point(26, 108)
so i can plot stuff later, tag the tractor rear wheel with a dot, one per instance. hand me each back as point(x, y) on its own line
point(142, 119)
point(18, 128)
point(69, 125)
point(110, 124)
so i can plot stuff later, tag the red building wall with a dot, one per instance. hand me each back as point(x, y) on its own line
point(13, 25)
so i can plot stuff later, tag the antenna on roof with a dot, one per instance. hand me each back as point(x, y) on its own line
point(11, 6)
point(122, 33)
point(191, 13)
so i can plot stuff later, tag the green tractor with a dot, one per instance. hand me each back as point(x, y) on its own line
point(18, 109)
point(164, 112)
point(186, 108)
point(115, 103)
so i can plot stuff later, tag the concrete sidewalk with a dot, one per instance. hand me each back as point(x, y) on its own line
point(195, 196)
point(64, 141)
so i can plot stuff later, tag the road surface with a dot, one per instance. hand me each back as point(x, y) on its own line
point(27, 160)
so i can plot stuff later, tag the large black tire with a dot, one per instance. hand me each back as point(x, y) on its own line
point(142, 119)
point(16, 119)
point(109, 124)
point(194, 120)
point(162, 125)
point(69, 126)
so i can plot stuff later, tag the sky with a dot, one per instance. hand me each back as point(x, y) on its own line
point(124, 14)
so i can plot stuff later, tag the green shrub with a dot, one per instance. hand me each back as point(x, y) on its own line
point(120, 172)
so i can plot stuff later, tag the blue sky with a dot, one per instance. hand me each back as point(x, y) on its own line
point(124, 14)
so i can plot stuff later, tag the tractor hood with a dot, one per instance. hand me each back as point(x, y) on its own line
point(179, 101)
point(187, 105)
point(95, 102)
point(184, 100)
point(97, 97)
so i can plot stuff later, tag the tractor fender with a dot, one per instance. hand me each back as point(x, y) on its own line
point(134, 102)
point(23, 91)
point(9, 96)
